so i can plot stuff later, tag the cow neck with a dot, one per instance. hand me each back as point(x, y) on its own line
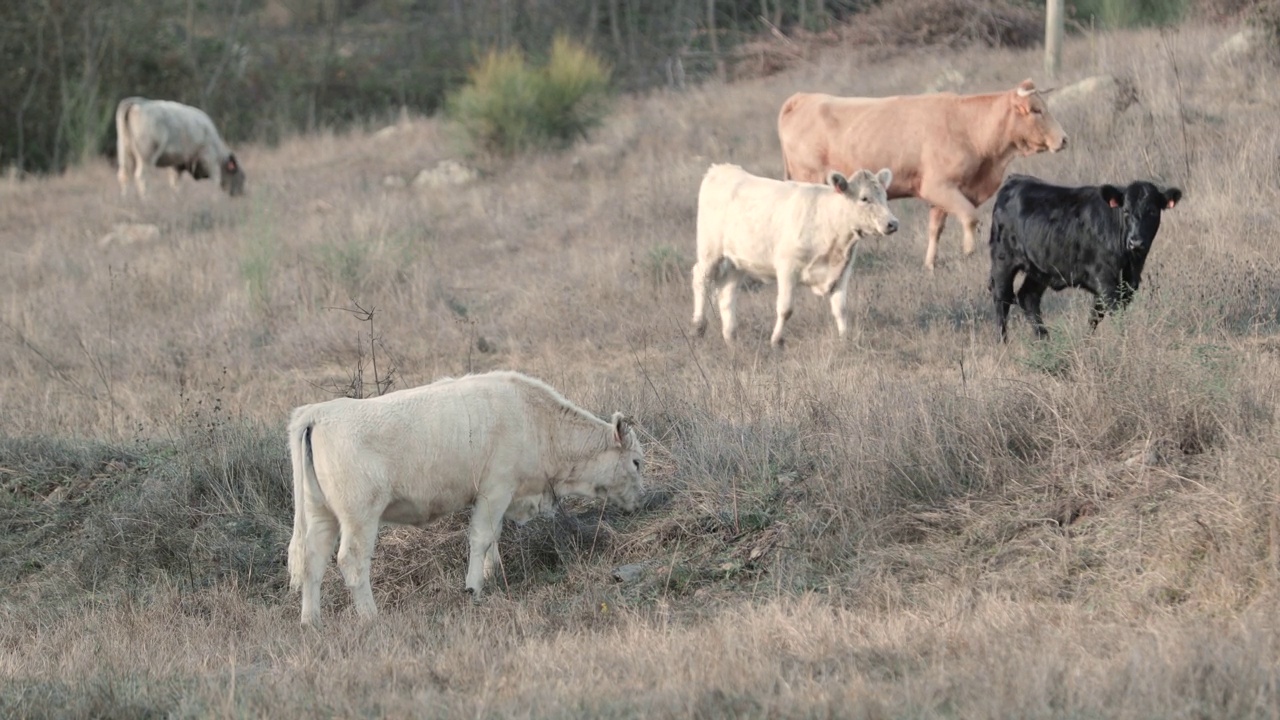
point(578, 435)
point(573, 440)
point(988, 130)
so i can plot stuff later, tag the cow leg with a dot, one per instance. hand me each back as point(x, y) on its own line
point(491, 561)
point(1002, 295)
point(937, 221)
point(840, 295)
point(321, 532)
point(125, 157)
point(139, 166)
point(702, 273)
point(486, 527)
point(174, 177)
point(355, 558)
point(1111, 298)
point(786, 284)
point(727, 295)
point(948, 201)
point(1099, 311)
point(1029, 295)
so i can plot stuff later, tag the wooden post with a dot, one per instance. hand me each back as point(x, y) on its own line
point(1053, 29)
point(715, 41)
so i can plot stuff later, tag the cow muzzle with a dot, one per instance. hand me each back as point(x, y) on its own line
point(891, 228)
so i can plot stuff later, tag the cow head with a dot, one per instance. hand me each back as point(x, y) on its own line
point(232, 176)
point(615, 473)
point(1140, 205)
point(1033, 128)
point(868, 210)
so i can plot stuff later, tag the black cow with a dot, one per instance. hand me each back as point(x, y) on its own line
point(1092, 237)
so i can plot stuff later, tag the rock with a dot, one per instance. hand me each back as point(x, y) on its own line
point(445, 173)
point(1148, 458)
point(1099, 90)
point(1240, 46)
point(949, 80)
point(130, 233)
point(629, 573)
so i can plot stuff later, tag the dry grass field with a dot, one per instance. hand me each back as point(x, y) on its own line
point(916, 522)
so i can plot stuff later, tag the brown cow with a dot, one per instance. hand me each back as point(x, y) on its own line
point(946, 149)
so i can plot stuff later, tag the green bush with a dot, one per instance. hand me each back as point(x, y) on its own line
point(508, 106)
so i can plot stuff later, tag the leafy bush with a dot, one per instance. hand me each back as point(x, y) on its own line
point(508, 106)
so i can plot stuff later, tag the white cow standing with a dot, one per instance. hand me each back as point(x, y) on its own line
point(793, 232)
point(502, 443)
point(163, 133)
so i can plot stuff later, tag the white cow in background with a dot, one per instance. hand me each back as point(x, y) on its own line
point(791, 232)
point(163, 133)
point(504, 444)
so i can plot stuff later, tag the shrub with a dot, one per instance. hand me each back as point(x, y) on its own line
point(507, 106)
point(571, 92)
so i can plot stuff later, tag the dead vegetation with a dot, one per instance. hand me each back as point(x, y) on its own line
point(896, 26)
point(918, 523)
point(952, 24)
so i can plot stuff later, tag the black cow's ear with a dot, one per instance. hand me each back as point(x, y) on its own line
point(1113, 195)
point(1172, 195)
point(838, 181)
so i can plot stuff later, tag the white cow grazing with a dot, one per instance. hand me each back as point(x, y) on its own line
point(789, 231)
point(504, 444)
point(163, 133)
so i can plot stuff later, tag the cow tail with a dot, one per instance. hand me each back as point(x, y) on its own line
point(123, 156)
point(304, 478)
point(787, 107)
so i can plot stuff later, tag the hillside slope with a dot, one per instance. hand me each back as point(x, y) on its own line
point(916, 523)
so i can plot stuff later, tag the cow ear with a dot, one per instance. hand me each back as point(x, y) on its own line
point(1172, 196)
point(1025, 88)
point(1113, 195)
point(838, 181)
point(885, 177)
point(620, 428)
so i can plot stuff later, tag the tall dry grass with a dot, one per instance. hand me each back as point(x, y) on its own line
point(917, 522)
